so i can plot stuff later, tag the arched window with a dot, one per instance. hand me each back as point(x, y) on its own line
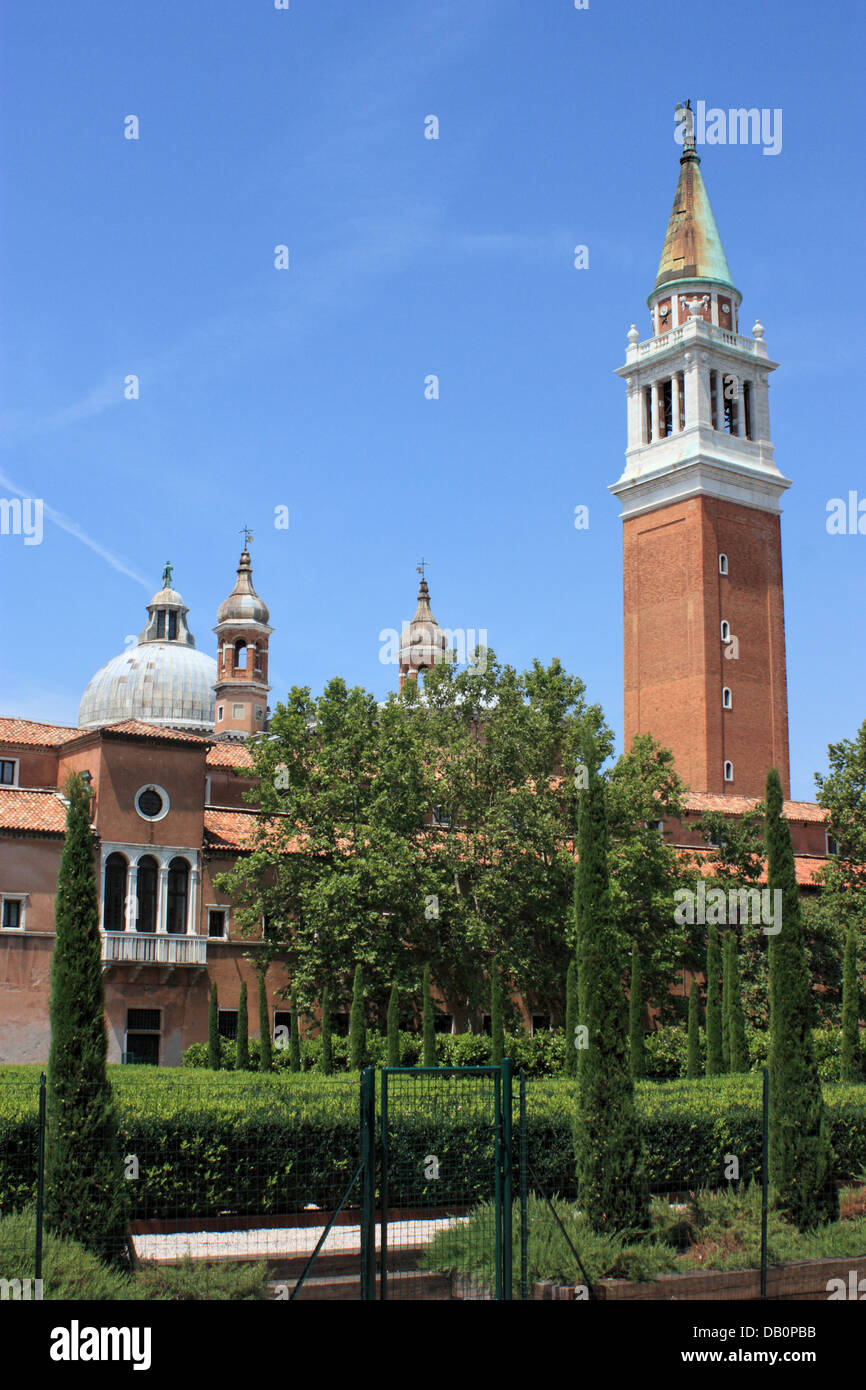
point(729, 772)
point(723, 564)
point(727, 702)
point(147, 882)
point(178, 892)
point(240, 655)
point(725, 630)
point(114, 907)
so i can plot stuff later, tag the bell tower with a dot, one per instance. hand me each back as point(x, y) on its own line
point(422, 642)
point(704, 627)
point(242, 657)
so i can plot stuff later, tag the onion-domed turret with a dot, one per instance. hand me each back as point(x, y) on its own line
point(243, 603)
point(242, 661)
point(422, 643)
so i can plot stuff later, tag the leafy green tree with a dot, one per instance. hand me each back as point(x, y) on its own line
point(851, 1059)
point(325, 1031)
point(85, 1192)
point(693, 1065)
point(801, 1156)
point(737, 1057)
point(294, 1036)
point(571, 1019)
point(266, 1052)
point(497, 1021)
point(357, 1023)
point(715, 1054)
point(645, 869)
point(842, 794)
point(612, 1188)
point(214, 1058)
point(242, 1062)
point(428, 1029)
point(394, 1027)
point(736, 851)
point(637, 1055)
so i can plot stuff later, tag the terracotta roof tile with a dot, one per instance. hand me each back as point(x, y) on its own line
point(738, 805)
point(136, 729)
point(805, 865)
point(40, 812)
point(29, 734)
point(225, 754)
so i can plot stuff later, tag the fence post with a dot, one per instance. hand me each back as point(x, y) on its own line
point(524, 1188)
point(40, 1175)
point(765, 1176)
point(507, 1227)
point(368, 1184)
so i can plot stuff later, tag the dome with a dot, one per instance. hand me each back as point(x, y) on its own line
point(162, 680)
point(423, 643)
point(243, 603)
point(165, 683)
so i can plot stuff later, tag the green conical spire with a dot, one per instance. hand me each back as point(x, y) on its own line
point(693, 247)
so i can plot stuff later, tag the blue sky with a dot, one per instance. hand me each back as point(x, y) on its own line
point(304, 388)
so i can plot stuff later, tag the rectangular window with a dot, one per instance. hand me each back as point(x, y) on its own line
point(216, 921)
point(160, 623)
point(648, 414)
point(237, 711)
point(260, 714)
point(228, 1023)
point(340, 1025)
point(13, 914)
point(486, 1026)
point(440, 817)
point(731, 393)
point(142, 1048)
point(540, 1023)
point(144, 1020)
point(747, 408)
point(832, 845)
point(682, 409)
point(666, 422)
point(7, 772)
point(714, 404)
point(282, 1019)
point(443, 1023)
point(172, 627)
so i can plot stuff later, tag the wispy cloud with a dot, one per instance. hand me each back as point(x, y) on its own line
point(73, 529)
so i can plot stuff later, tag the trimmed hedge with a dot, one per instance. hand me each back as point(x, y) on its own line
point(256, 1144)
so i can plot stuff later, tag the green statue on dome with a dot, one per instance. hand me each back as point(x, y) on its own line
point(166, 575)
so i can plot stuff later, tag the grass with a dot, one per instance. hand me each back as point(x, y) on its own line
point(717, 1231)
point(70, 1272)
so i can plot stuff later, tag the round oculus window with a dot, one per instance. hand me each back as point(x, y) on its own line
point(152, 803)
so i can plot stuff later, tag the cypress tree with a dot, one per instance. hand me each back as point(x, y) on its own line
point(497, 1027)
point(357, 1024)
point(428, 1029)
point(394, 1027)
point(266, 1051)
point(571, 1019)
point(693, 1064)
point(715, 1056)
point(801, 1155)
point(213, 1030)
point(242, 1048)
point(612, 1188)
point(851, 1064)
point(738, 1058)
point(726, 1002)
point(637, 1056)
point(85, 1194)
point(325, 1031)
point(294, 1037)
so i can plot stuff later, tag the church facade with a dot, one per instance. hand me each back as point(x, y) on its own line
point(162, 727)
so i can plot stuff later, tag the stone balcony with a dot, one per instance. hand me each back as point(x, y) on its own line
point(153, 948)
point(696, 331)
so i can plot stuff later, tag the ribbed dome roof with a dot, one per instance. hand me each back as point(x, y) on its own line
point(157, 682)
point(243, 603)
point(162, 680)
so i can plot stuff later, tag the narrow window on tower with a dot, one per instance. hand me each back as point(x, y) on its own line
point(240, 655)
point(648, 413)
point(725, 630)
point(667, 421)
point(714, 402)
point(723, 564)
point(172, 627)
point(160, 623)
point(729, 772)
point(747, 408)
point(220, 711)
point(682, 411)
point(730, 393)
point(726, 698)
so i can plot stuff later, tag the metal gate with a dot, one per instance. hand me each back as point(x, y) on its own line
point(445, 1179)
